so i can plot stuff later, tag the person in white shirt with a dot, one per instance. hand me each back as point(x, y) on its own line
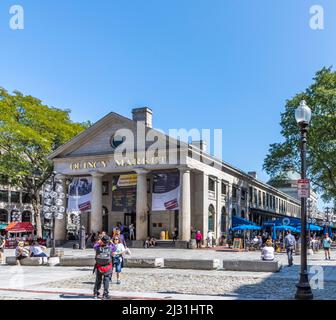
point(267, 253)
point(209, 239)
point(36, 250)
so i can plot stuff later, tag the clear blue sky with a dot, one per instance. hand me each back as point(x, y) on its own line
point(227, 64)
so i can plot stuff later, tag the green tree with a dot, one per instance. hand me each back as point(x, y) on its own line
point(321, 146)
point(29, 131)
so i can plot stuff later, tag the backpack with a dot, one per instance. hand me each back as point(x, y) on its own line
point(103, 256)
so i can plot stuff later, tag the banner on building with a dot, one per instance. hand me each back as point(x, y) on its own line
point(166, 191)
point(124, 193)
point(80, 194)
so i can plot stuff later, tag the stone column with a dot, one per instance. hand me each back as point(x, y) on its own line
point(184, 212)
point(218, 214)
point(96, 216)
point(60, 225)
point(141, 228)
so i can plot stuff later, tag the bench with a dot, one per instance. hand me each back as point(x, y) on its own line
point(143, 262)
point(252, 265)
point(197, 264)
point(30, 261)
point(77, 261)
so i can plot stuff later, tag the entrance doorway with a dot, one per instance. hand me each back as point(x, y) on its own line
point(105, 220)
point(129, 218)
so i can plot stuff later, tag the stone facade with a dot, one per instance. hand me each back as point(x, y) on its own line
point(211, 191)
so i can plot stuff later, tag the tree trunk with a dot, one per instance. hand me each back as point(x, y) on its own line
point(37, 215)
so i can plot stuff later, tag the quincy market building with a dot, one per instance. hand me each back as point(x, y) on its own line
point(160, 183)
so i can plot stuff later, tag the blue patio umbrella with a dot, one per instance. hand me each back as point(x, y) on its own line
point(285, 228)
point(312, 227)
point(246, 227)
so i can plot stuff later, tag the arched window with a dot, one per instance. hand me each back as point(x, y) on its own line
point(223, 220)
point(211, 216)
point(3, 216)
point(26, 216)
point(15, 215)
point(234, 213)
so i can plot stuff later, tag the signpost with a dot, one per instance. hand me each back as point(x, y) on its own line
point(304, 188)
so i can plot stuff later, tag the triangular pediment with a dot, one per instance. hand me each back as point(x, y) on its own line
point(96, 139)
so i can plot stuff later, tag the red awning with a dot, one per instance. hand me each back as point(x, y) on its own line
point(11, 226)
point(22, 227)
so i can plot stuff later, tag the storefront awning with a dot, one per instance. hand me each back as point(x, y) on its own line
point(238, 221)
point(3, 225)
point(21, 227)
point(11, 226)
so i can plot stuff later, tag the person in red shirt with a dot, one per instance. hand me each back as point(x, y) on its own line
point(199, 238)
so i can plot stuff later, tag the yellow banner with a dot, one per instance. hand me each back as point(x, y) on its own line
point(127, 180)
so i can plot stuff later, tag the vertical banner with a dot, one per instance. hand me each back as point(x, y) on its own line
point(166, 191)
point(80, 194)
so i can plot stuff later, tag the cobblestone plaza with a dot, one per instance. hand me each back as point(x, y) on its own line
point(64, 283)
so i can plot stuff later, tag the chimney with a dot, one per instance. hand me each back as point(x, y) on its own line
point(200, 144)
point(143, 114)
point(252, 174)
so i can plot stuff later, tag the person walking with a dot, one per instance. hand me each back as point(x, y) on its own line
point(199, 238)
point(326, 243)
point(209, 239)
point(175, 234)
point(290, 247)
point(117, 254)
point(103, 266)
point(131, 232)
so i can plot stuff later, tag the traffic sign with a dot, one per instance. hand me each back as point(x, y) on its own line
point(303, 188)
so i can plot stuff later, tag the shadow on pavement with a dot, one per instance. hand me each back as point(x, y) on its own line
point(282, 285)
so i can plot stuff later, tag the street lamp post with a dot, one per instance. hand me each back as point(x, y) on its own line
point(303, 116)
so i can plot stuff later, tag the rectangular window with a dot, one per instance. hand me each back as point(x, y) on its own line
point(15, 197)
point(234, 192)
point(267, 200)
point(3, 196)
point(243, 195)
point(251, 195)
point(264, 199)
point(26, 198)
point(224, 188)
point(259, 198)
point(211, 184)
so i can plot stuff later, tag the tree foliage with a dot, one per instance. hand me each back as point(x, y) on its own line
point(321, 145)
point(29, 131)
